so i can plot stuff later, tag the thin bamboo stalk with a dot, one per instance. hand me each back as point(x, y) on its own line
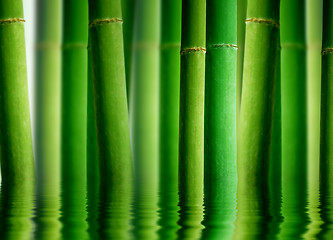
point(314, 20)
point(48, 96)
point(326, 127)
point(128, 7)
point(16, 152)
point(169, 116)
point(144, 112)
point(294, 117)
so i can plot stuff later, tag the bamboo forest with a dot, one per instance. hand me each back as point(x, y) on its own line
point(166, 119)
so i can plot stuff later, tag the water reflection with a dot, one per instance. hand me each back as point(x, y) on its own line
point(16, 211)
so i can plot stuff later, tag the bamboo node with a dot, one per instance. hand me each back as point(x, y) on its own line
point(165, 46)
point(97, 22)
point(270, 22)
point(192, 50)
point(47, 45)
point(222, 45)
point(327, 51)
point(74, 45)
point(11, 20)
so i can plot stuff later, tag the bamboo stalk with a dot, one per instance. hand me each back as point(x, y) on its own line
point(259, 74)
point(128, 7)
point(114, 149)
point(313, 37)
point(241, 16)
point(326, 128)
point(294, 117)
point(192, 87)
point(220, 115)
point(169, 116)
point(74, 119)
point(256, 116)
point(16, 152)
point(48, 96)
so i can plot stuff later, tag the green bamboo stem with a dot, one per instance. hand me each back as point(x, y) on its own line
point(241, 16)
point(128, 7)
point(259, 74)
point(313, 37)
point(74, 119)
point(256, 116)
point(74, 95)
point(48, 97)
point(294, 117)
point(114, 149)
point(144, 95)
point(220, 116)
point(326, 156)
point(169, 116)
point(16, 152)
point(192, 87)
point(326, 127)
point(220, 102)
point(93, 176)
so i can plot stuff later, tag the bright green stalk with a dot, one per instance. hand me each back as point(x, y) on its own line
point(192, 89)
point(256, 115)
point(294, 116)
point(169, 115)
point(326, 127)
point(220, 115)
point(74, 118)
point(259, 74)
point(109, 82)
point(314, 38)
point(128, 7)
point(241, 16)
point(16, 153)
point(48, 83)
point(144, 111)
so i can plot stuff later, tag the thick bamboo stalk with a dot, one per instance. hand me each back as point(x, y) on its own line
point(48, 96)
point(169, 116)
point(220, 116)
point(294, 117)
point(16, 152)
point(114, 149)
point(192, 89)
point(259, 74)
point(256, 116)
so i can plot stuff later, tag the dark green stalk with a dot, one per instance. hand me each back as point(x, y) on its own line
point(294, 117)
point(48, 97)
point(220, 116)
point(128, 7)
point(192, 89)
point(114, 149)
point(241, 16)
point(16, 152)
point(326, 127)
point(169, 115)
point(74, 118)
